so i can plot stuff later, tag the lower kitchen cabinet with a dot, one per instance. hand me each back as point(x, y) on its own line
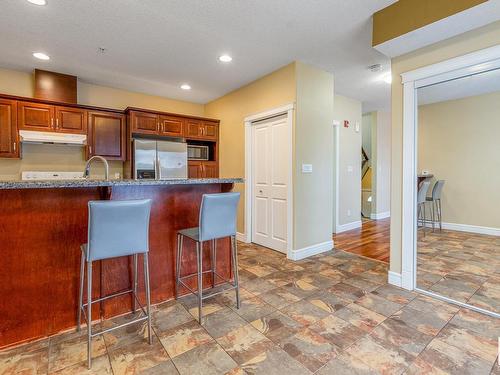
point(203, 169)
point(106, 136)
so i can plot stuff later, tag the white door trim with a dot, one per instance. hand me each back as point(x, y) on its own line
point(336, 180)
point(475, 62)
point(249, 120)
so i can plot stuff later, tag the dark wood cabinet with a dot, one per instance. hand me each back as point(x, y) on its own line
point(203, 169)
point(106, 135)
point(171, 126)
point(35, 116)
point(144, 122)
point(71, 120)
point(194, 129)
point(210, 130)
point(9, 147)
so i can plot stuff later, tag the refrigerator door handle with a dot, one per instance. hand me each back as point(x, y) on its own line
point(157, 166)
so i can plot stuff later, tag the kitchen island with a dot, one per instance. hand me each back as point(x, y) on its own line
point(43, 224)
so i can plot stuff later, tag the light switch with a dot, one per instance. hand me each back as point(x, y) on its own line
point(307, 168)
point(357, 127)
point(336, 123)
point(349, 168)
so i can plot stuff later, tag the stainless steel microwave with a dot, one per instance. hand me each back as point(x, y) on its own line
point(197, 152)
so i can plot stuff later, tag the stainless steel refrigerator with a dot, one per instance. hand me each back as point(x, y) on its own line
point(160, 160)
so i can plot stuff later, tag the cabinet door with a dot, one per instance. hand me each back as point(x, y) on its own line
point(194, 129)
point(194, 169)
point(35, 116)
point(210, 130)
point(106, 135)
point(144, 122)
point(172, 126)
point(9, 147)
point(71, 120)
point(210, 169)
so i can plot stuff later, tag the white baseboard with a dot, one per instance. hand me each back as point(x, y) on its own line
point(348, 226)
point(394, 279)
point(310, 250)
point(468, 228)
point(242, 237)
point(380, 216)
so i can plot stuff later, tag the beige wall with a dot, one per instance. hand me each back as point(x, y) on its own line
point(468, 42)
point(458, 141)
point(313, 192)
point(350, 159)
point(64, 158)
point(271, 91)
point(381, 163)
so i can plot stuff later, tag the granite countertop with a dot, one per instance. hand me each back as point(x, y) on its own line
point(83, 183)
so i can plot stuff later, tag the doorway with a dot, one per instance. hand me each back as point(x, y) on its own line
point(268, 175)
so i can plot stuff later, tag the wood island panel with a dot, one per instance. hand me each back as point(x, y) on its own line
point(41, 234)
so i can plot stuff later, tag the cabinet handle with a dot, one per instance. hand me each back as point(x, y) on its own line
point(14, 144)
point(57, 123)
point(52, 122)
point(90, 150)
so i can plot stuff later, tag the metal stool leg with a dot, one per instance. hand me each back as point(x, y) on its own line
point(214, 260)
point(432, 216)
point(440, 217)
point(134, 288)
point(148, 296)
point(424, 217)
point(89, 314)
point(234, 258)
point(80, 296)
point(199, 258)
point(178, 265)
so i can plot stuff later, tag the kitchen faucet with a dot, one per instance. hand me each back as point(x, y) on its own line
point(86, 173)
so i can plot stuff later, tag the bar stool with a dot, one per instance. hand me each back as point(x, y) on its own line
point(115, 229)
point(217, 220)
point(421, 200)
point(435, 200)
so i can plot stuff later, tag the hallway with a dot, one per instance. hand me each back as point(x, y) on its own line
point(372, 240)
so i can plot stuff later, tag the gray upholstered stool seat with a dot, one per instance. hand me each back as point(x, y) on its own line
point(217, 220)
point(115, 229)
point(193, 233)
point(435, 201)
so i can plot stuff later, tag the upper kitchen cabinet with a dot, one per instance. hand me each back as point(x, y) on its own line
point(35, 116)
point(200, 129)
point(106, 135)
point(144, 122)
point(71, 120)
point(46, 117)
point(172, 126)
point(9, 147)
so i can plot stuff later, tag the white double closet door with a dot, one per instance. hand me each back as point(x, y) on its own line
point(270, 172)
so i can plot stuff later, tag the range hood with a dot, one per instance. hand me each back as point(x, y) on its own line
point(28, 136)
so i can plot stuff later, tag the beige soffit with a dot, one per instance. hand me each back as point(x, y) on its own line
point(408, 25)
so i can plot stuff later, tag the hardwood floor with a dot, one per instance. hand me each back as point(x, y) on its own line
point(372, 240)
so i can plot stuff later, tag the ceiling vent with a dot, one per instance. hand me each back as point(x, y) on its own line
point(375, 68)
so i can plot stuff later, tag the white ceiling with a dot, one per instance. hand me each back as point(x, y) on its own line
point(473, 85)
point(155, 45)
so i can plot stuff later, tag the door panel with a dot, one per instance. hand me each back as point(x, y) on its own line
point(35, 116)
point(9, 147)
point(71, 120)
point(172, 126)
point(107, 135)
point(144, 123)
point(270, 149)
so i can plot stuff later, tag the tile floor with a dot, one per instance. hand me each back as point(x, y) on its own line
point(330, 314)
point(462, 266)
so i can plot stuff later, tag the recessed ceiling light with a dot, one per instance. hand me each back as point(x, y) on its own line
point(185, 86)
point(41, 56)
point(38, 2)
point(225, 58)
point(386, 77)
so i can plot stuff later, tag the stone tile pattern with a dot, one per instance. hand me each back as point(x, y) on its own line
point(329, 314)
point(462, 266)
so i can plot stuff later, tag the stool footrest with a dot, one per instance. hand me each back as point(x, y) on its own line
point(141, 319)
point(208, 295)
